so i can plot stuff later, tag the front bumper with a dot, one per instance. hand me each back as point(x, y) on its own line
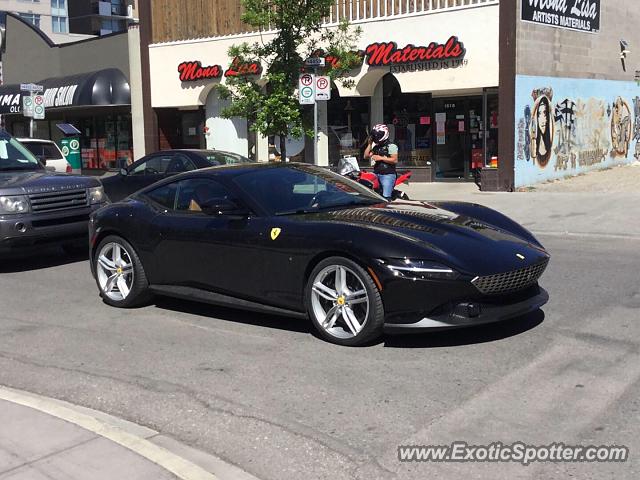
point(31, 230)
point(483, 312)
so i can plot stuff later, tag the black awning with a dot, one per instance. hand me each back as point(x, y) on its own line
point(101, 88)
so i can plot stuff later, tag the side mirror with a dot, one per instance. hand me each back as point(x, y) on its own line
point(124, 172)
point(224, 206)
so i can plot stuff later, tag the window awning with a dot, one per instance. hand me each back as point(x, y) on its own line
point(107, 87)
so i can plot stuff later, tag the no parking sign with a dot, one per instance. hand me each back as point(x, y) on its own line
point(323, 88)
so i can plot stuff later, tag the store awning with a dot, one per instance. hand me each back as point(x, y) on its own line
point(107, 87)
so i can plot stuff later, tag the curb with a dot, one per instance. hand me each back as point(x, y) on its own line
point(185, 462)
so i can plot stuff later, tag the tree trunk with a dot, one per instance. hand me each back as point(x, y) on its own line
point(283, 147)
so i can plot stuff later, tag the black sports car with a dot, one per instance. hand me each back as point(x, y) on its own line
point(298, 240)
point(160, 165)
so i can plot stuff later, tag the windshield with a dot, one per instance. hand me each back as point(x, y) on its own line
point(302, 189)
point(44, 149)
point(15, 157)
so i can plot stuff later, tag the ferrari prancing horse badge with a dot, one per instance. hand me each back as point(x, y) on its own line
point(275, 232)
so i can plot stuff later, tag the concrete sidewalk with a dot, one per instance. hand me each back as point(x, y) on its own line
point(570, 213)
point(47, 439)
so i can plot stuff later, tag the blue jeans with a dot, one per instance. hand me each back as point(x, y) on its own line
point(387, 182)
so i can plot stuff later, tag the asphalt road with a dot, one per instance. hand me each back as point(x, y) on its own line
point(265, 394)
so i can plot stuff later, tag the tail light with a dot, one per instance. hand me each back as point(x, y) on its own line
point(69, 169)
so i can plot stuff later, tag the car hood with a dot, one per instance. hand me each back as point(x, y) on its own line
point(462, 241)
point(42, 181)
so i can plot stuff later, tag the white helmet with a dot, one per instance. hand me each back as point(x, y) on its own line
point(380, 133)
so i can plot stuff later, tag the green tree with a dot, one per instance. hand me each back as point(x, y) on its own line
point(270, 103)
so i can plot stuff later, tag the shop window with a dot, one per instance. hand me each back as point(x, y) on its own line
point(348, 127)
point(410, 122)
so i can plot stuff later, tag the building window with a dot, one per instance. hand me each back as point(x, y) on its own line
point(61, 4)
point(32, 18)
point(59, 24)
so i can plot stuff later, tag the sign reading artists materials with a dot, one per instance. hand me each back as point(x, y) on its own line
point(411, 58)
point(306, 89)
point(580, 15)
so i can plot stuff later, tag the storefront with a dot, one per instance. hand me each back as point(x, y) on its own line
point(431, 78)
point(96, 103)
point(85, 83)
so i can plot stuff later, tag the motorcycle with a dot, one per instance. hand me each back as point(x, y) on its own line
point(348, 167)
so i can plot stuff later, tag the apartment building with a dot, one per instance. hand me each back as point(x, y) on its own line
point(50, 16)
point(96, 17)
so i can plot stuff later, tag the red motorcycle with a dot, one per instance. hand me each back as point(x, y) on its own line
point(348, 167)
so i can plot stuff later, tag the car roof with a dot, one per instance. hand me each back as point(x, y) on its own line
point(196, 150)
point(242, 168)
point(34, 140)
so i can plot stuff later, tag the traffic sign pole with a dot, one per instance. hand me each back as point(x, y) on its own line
point(315, 121)
point(31, 122)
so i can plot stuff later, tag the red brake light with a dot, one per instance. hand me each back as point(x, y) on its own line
point(69, 169)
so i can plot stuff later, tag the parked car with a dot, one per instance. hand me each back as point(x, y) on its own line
point(38, 206)
point(298, 240)
point(156, 166)
point(48, 153)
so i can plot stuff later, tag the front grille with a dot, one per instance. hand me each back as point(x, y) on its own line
point(52, 201)
point(510, 281)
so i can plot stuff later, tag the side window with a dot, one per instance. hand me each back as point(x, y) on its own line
point(219, 158)
point(180, 163)
point(164, 195)
point(194, 193)
point(155, 165)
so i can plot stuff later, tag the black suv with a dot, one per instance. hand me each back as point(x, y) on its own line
point(38, 206)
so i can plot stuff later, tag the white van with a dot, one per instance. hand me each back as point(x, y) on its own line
point(47, 152)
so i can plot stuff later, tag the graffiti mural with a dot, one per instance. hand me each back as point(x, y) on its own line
point(573, 126)
point(636, 128)
point(565, 117)
point(620, 128)
point(542, 125)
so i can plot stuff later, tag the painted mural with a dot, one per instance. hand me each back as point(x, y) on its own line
point(569, 126)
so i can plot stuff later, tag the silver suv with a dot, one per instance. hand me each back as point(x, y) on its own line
point(38, 206)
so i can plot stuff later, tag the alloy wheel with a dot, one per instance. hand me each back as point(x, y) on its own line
point(339, 301)
point(114, 269)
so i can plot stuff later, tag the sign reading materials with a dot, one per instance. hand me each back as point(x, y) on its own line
point(306, 90)
point(580, 15)
point(323, 88)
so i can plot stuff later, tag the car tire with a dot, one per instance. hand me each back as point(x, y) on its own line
point(127, 268)
point(347, 312)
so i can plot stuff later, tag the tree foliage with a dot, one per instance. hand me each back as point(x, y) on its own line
point(290, 32)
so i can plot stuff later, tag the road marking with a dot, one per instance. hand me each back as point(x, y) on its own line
point(162, 457)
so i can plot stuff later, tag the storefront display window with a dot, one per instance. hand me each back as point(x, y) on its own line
point(348, 126)
point(410, 122)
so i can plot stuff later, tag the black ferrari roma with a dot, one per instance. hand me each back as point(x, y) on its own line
point(164, 164)
point(298, 240)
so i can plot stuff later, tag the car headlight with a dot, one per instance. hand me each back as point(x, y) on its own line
point(96, 195)
point(14, 204)
point(419, 269)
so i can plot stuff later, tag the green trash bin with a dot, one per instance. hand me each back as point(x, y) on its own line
point(70, 147)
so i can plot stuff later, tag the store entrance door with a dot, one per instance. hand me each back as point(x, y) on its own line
point(457, 136)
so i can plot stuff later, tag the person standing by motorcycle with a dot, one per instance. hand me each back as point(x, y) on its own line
point(384, 156)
